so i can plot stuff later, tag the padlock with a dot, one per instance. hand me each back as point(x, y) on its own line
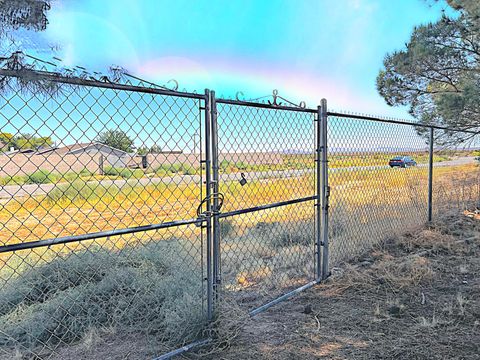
point(243, 180)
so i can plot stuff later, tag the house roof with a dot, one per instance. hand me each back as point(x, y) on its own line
point(75, 148)
point(68, 149)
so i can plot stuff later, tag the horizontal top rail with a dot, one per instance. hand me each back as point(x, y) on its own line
point(401, 122)
point(58, 78)
point(265, 106)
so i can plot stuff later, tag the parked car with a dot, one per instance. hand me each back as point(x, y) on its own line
point(402, 161)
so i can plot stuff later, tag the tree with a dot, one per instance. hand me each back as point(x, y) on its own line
point(27, 14)
point(29, 141)
point(23, 141)
point(117, 139)
point(143, 150)
point(154, 149)
point(438, 73)
point(6, 141)
point(22, 14)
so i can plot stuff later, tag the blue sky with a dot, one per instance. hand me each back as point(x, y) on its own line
point(306, 49)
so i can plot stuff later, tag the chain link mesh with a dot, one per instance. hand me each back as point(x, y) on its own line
point(83, 160)
point(266, 157)
point(378, 175)
point(456, 174)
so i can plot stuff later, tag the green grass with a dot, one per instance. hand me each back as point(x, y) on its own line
point(44, 177)
point(12, 180)
point(177, 168)
point(123, 172)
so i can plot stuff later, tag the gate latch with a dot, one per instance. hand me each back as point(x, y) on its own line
point(202, 215)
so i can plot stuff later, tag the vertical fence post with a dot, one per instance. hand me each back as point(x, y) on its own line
point(430, 175)
point(208, 187)
point(318, 195)
point(100, 165)
point(324, 188)
point(215, 209)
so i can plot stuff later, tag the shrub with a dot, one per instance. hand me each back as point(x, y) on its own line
point(143, 290)
point(177, 168)
point(163, 169)
point(125, 173)
point(240, 165)
point(13, 180)
point(226, 165)
point(42, 177)
point(188, 169)
point(226, 228)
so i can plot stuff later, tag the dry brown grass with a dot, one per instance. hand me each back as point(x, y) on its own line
point(415, 296)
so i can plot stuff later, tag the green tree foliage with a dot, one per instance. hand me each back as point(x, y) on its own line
point(117, 139)
point(30, 15)
point(26, 14)
point(6, 141)
point(23, 141)
point(438, 73)
point(28, 141)
point(142, 150)
point(154, 149)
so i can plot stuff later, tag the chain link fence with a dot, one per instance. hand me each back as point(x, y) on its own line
point(129, 211)
point(100, 246)
point(379, 172)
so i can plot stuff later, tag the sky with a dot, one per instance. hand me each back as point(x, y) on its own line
point(308, 50)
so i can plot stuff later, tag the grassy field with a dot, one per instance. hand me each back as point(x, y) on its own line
point(358, 198)
point(263, 253)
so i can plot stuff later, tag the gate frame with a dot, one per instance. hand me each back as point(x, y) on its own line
point(323, 192)
point(320, 197)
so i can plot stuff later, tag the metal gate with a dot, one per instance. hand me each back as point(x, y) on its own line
point(266, 204)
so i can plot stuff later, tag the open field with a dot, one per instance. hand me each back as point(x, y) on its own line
point(81, 206)
point(263, 254)
point(414, 296)
point(364, 200)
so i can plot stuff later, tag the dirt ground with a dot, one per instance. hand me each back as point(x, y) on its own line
point(417, 296)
